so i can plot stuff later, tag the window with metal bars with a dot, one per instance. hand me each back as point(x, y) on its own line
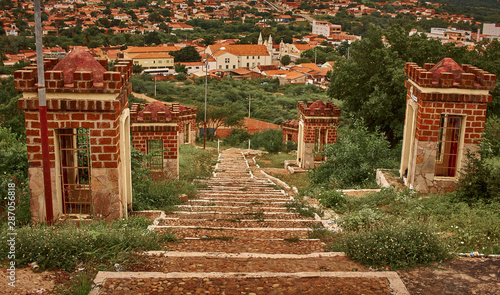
point(155, 152)
point(74, 163)
point(319, 143)
point(448, 147)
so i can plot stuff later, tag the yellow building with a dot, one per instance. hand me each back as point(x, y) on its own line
point(153, 60)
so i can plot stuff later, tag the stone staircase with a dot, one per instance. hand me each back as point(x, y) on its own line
point(237, 237)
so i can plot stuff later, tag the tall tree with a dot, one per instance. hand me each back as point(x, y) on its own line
point(186, 54)
point(371, 85)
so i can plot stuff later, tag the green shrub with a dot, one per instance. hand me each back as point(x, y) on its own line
point(270, 140)
point(65, 246)
point(480, 178)
point(164, 194)
point(238, 138)
point(363, 219)
point(352, 161)
point(397, 247)
point(22, 198)
point(332, 198)
point(195, 162)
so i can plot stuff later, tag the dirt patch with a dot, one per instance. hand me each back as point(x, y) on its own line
point(457, 276)
point(28, 282)
point(359, 193)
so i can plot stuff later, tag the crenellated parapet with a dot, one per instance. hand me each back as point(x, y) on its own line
point(158, 112)
point(318, 108)
point(26, 80)
point(465, 77)
point(290, 124)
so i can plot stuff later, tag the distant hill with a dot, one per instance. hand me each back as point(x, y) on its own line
point(473, 3)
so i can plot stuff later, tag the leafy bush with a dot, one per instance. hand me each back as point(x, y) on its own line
point(13, 153)
point(396, 247)
point(465, 227)
point(195, 162)
point(332, 198)
point(14, 165)
point(238, 138)
point(480, 178)
point(365, 218)
point(65, 246)
point(270, 140)
point(148, 194)
point(352, 161)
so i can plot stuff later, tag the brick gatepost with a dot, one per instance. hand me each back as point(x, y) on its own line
point(317, 126)
point(87, 114)
point(157, 130)
point(445, 114)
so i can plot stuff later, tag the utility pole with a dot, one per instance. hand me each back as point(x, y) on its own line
point(42, 109)
point(248, 121)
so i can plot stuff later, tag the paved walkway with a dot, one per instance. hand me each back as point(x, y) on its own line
point(237, 237)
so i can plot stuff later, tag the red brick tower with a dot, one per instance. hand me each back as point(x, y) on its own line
point(317, 126)
point(290, 130)
point(445, 115)
point(158, 129)
point(88, 128)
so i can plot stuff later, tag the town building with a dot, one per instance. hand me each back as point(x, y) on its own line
point(492, 31)
point(325, 28)
point(240, 56)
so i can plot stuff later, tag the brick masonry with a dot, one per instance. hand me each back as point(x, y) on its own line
point(315, 116)
point(167, 124)
point(290, 130)
point(445, 88)
point(77, 105)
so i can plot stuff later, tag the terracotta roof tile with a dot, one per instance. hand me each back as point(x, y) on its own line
point(151, 55)
point(245, 49)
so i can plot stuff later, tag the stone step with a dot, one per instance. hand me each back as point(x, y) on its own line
point(239, 194)
point(248, 262)
point(238, 233)
point(242, 191)
point(242, 283)
point(237, 215)
point(293, 246)
point(232, 209)
point(237, 223)
point(237, 184)
point(249, 198)
point(255, 203)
